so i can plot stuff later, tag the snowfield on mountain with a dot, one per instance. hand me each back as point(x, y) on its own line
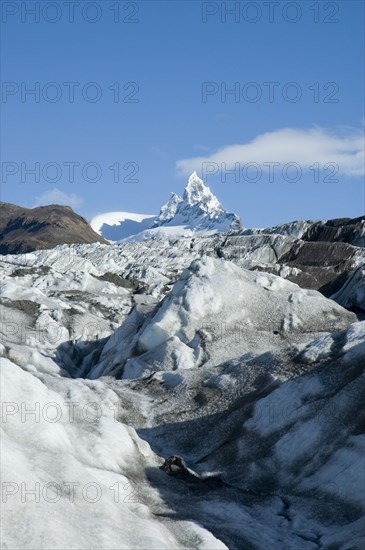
point(242, 351)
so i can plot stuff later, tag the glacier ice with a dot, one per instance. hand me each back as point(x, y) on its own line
point(204, 349)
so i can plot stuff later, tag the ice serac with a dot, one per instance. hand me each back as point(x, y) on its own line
point(352, 294)
point(217, 312)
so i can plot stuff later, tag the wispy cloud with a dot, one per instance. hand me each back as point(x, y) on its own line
point(302, 146)
point(158, 151)
point(56, 196)
point(200, 147)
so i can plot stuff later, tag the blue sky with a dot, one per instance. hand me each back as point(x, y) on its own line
point(172, 63)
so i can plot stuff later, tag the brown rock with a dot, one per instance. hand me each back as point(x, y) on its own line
point(24, 229)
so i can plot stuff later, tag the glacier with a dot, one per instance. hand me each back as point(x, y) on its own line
point(241, 350)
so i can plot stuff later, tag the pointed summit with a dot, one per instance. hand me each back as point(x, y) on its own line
point(198, 210)
point(196, 192)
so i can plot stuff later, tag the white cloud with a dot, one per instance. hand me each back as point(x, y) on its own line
point(56, 196)
point(302, 146)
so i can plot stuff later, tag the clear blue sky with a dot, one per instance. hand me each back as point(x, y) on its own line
point(172, 49)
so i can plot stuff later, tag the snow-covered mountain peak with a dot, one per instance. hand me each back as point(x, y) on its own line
point(168, 210)
point(196, 192)
point(198, 211)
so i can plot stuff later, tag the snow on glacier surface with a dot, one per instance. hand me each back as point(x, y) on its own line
point(276, 416)
point(250, 308)
point(86, 473)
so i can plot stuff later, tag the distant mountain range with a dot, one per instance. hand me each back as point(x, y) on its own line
point(198, 212)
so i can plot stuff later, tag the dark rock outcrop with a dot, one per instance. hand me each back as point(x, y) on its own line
point(346, 230)
point(320, 255)
point(24, 230)
point(322, 265)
